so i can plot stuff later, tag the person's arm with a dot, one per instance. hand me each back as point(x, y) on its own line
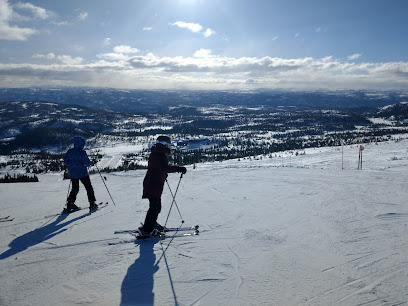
point(86, 160)
point(66, 158)
point(171, 169)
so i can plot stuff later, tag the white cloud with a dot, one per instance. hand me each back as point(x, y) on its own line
point(62, 23)
point(65, 59)
point(203, 53)
point(107, 41)
point(354, 56)
point(123, 49)
point(48, 56)
point(207, 71)
point(321, 29)
point(37, 11)
point(113, 56)
point(15, 33)
point(203, 61)
point(12, 32)
point(120, 53)
point(82, 16)
point(275, 38)
point(209, 32)
point(193, 27)
point(68, 60)
point(147, 28)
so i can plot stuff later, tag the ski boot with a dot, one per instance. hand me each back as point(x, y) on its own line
point(142, 232)
point(93, 206)
point(154, 233)
point(159, 227)
point(71, 207)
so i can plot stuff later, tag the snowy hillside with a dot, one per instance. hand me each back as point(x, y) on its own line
point(286, 230)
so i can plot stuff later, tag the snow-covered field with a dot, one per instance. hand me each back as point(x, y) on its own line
point(287, 230)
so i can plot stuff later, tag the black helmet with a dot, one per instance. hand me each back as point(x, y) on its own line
point(165, 140)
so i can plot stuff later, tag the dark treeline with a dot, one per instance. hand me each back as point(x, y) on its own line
point(220, 148)
point(18, 178)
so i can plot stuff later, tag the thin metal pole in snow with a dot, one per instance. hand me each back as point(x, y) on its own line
point(360, 158)
point(361, 162)
point(359, 153)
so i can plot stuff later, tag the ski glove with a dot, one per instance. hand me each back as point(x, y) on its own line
point(183, 170)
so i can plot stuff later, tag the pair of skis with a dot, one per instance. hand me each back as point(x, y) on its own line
point(5, 219)
point(175, 231)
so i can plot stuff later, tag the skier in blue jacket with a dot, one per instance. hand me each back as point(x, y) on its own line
point(77, 161)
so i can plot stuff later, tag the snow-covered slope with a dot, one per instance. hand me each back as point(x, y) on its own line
point(287, 230)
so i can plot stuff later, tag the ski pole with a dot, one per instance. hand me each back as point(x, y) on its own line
point(182, 221)
point(69, 187)
point(105, 184)
point(174, 200)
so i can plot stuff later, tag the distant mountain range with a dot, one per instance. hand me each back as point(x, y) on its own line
point(43, 124)
point(159, 101)
point(397, 111)
point(49, 118)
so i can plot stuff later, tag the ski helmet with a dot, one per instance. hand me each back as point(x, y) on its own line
point(165, 140)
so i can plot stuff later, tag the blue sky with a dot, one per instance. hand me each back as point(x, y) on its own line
point(205, 44)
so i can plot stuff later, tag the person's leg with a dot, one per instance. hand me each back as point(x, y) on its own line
point(86, 181)
point(74, 190)
point(73, 194)
point(152, 214)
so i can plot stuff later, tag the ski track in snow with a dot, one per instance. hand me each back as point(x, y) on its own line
point(283, 231)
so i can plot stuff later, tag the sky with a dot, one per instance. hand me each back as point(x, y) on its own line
point(205, 44)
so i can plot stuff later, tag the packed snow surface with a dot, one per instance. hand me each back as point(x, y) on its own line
point(286, 230)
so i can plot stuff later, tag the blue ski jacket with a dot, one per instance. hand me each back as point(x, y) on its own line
point(77, 160)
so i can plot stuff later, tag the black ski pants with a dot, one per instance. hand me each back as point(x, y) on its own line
point(86, 181)
point(152, 214)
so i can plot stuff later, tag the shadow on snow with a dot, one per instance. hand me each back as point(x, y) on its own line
point(137, 287)
point(37, 236)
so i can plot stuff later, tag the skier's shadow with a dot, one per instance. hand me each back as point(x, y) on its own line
point(137, 287)
point(38, 235)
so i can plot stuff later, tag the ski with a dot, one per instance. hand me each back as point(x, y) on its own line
point(4, 218)
point(185, 228)
point(166, 229)
point(100, 206)
point(163, 235)
point(188, 231)
point(137, 234)
point(157, 235)
point(175, 229)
